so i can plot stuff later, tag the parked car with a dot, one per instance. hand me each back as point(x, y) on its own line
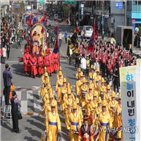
point(88, 30)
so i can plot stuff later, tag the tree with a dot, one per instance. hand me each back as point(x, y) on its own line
point(19, 10)
point(66, 10)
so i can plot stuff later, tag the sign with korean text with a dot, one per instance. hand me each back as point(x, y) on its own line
point(17, 6)
point(41, 1)
point(70, 2)
point(128, 99)
point(119, 5)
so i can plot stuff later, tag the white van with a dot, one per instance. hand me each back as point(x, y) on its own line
point(28, 9)
point(88, 31)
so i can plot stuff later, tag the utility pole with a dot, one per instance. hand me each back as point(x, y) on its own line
point(125, 12)
point(102, 16)
point(78, 13)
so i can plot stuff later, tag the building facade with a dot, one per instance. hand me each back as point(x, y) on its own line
point(117, 16)
point(134, 13)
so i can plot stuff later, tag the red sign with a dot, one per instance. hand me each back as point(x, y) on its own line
point(133, 21)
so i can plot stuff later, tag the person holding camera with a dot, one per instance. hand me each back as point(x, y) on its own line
point(7, 76)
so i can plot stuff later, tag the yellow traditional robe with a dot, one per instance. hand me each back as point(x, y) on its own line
point(59, 85)
point(112, 105)
point(92, 75)
point(53, 124)
point(83, 94)
point(64, 91)
point(89, 98)
point(104, 123)
point(118, 120)
point(97, 83)
point(102, 91)
point(67, 110)
point(75, 124)
point(107, 97)
point(77, 86)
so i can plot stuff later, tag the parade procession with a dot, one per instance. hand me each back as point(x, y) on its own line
point(92, 110)
point(62, 84)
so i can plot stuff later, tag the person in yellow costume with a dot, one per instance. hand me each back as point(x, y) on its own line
point(107, 95)
point(97, 80)
point(78, 84)
point(102, 88)
point(43, 87)
point(93, 105)
point(46, 106)
point(44, 95)
point(59, 85)
point(45, 77)
point(67, 108)
point(53, 124)
point(92, 84)
point(92, 73)
point(84, 91)
point(118, 118)
point(51, 98)
point(112, 105)
point(74, 122)
point(60, 70)
point(78, 73)
point(79, 111)
point(63, 91)
point(98, 109)
point(104, 123)
point(69, 87)
point(89, 95)
point(49, 88)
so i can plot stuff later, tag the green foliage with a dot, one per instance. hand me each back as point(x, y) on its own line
point(66, 10)
point(19, 10)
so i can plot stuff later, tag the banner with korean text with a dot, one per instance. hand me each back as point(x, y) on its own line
point(131, 102)
point(138, 62)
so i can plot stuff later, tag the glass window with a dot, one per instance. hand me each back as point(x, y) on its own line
point(89, 28)
point(135, 2)
point(139, 2)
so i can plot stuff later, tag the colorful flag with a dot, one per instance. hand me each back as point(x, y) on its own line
point(45, 22)
point(92, 39)
point(35, 20)
point(56, 47)
point(28, 18)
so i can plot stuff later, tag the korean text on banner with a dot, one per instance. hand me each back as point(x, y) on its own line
point(128, 99)
point(138, 62)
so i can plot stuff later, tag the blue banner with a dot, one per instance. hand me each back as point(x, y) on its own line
point(119, 5)
point(16, 6)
